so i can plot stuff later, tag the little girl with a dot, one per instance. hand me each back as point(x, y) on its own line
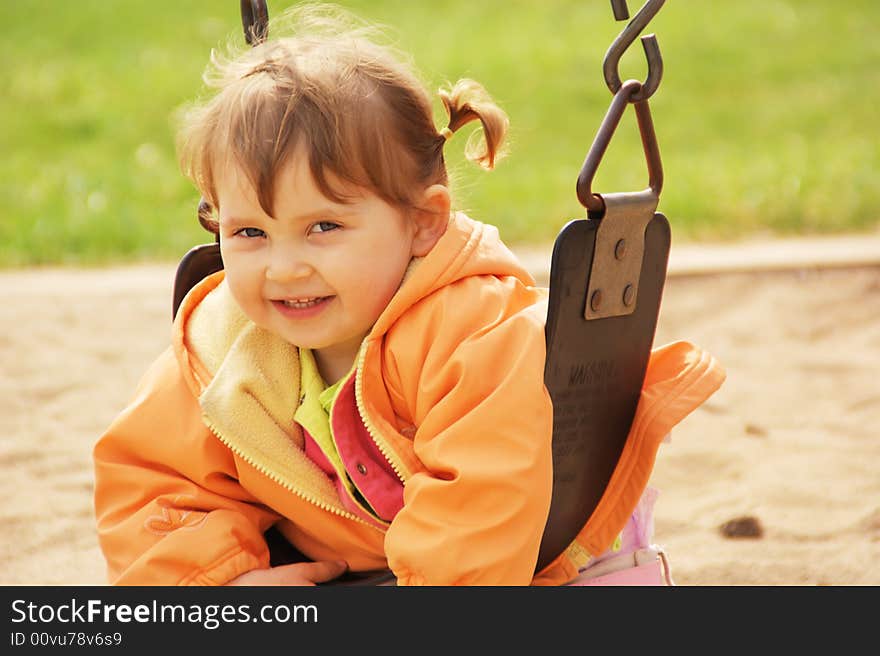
point(366, 373)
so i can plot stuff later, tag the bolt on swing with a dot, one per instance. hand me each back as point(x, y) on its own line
point(623, 216)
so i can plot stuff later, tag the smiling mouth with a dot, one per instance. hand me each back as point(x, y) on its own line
point(302, 303)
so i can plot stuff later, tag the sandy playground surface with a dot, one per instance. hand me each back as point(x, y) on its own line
point(791, 440)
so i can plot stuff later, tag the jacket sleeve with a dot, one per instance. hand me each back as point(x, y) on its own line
point(475, 515)
point(169, 508)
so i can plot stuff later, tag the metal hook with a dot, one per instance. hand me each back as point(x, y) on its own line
point(255, 21)
point(623, 41)
point(621, 11)
point(629, 89)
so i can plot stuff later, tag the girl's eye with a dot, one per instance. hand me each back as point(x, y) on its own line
point(324, 226)
point(251, 233)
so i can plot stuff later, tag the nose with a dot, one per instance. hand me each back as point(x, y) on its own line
point(287, 264)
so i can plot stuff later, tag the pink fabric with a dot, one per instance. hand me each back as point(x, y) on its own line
point(648, 574)
point(313, 451)
point(639, 529)
point(374, 478)
point(637, 534)
point(368, 468)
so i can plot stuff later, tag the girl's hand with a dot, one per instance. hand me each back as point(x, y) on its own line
point(294, 574)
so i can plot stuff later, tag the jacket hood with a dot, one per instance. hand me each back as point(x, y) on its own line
point(467, 248)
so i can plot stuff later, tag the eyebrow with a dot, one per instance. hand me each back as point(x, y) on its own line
point(324, 212)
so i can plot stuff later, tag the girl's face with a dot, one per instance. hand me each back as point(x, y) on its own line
point(320, 273)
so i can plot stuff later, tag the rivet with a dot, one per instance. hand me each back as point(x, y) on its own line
point(620, 249)
point(361, 468)
point(629, 293)
point(596, 300)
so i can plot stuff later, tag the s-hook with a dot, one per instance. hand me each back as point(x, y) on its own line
point(623, 41)
point(625, 93)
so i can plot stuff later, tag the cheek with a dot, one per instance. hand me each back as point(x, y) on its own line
point(377, 290)
point(243, 284)
point(369, 293)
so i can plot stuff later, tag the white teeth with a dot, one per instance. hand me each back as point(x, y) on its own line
point(303, 303)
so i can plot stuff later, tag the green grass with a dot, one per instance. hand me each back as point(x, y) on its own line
point(766, 116)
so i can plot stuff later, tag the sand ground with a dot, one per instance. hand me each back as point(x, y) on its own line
point(791, 439)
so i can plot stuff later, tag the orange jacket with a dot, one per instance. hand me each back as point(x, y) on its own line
point(449, 383)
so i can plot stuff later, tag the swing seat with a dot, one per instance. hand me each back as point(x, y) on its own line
point(594, 373)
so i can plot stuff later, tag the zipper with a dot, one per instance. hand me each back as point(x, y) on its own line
point(398, 467)
point(283, 483)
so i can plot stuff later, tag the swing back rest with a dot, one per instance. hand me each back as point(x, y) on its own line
point(198, 263)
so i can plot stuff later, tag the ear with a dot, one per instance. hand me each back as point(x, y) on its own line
point(430, 219)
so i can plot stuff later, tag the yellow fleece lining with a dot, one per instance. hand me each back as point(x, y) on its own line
point(250, 402)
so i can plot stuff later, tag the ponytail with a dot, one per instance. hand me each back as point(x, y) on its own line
point(468, 101)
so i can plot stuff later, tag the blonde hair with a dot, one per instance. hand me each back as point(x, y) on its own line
point(356, 106)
